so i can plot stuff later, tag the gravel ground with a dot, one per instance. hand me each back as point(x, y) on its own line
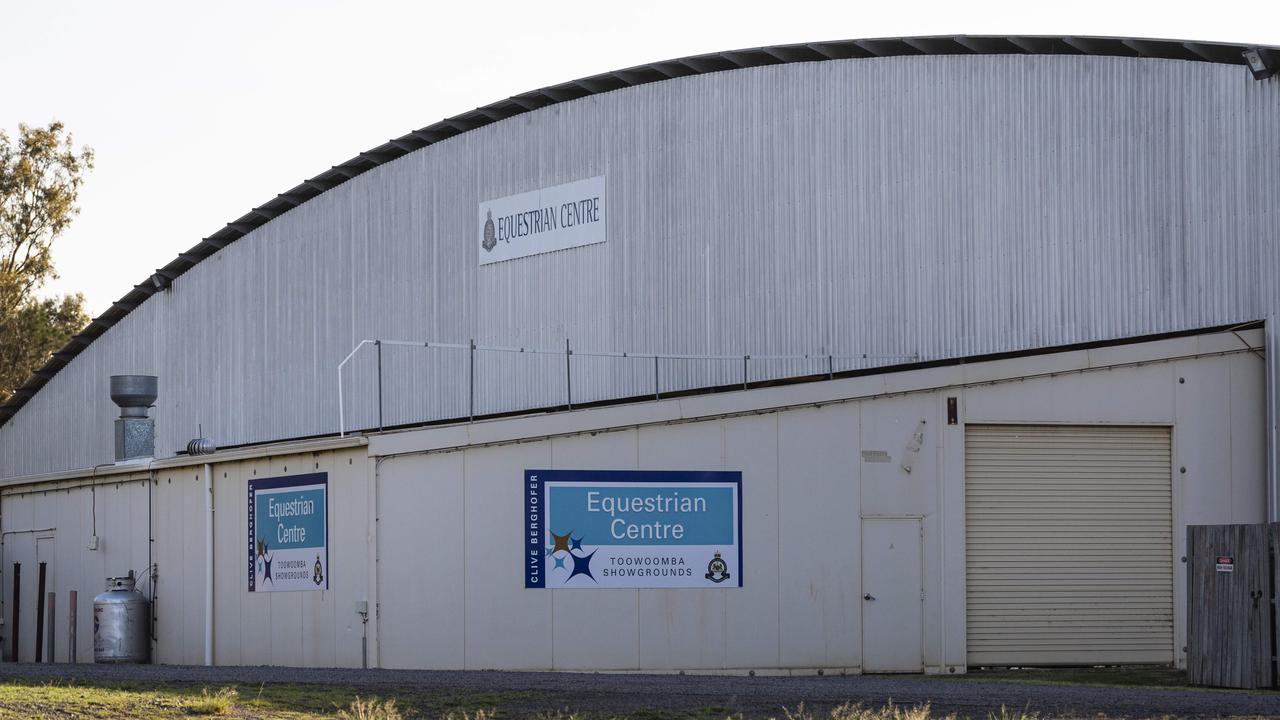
point(752, 696)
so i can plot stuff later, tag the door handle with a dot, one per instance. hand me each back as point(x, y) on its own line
point(868, 596)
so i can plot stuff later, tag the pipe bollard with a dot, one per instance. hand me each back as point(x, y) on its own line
point(39, 638)
point(17, 597)
point(48, 644)
point(71, 626)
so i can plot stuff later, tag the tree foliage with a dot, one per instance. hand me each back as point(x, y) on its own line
point(37, 329)
point(40, 178)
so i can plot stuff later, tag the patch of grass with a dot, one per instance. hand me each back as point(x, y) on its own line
point(26, 698)
point(702, 713)
point(21, 698)
point(850, 711)
point(371, 709)
point(891, 711)
point(62, 699)
point(475, 715)
point(1007, 714)
point(310, 699)
point(218, 703)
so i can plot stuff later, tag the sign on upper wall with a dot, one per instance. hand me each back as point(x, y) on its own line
point(288, 538)
point(543, 220)
point(632, 529)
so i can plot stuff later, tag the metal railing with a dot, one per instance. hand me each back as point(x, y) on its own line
point(471, 348)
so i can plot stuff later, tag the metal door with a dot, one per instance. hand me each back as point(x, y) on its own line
point(892, 595)
point(1069, 545)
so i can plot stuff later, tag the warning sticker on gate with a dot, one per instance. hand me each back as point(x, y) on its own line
point(1225, 563)
point(288, 538)
point(632, 529)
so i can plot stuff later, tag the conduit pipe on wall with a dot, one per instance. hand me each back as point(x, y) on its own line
point(208, 564)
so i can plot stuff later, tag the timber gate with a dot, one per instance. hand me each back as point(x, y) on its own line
point(1232, 587)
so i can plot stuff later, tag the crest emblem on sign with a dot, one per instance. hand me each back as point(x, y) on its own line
point(717, 570)
point(490, 237)
point(317, 574)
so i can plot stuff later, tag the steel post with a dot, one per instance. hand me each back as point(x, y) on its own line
point(17, 597)
point(378, 343)
point(40, 613)
point(52, 613)
point(71, 626)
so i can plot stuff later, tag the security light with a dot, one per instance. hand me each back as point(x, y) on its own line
point(1260, 63)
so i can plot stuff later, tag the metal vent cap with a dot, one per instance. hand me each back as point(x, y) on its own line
point(134, 393)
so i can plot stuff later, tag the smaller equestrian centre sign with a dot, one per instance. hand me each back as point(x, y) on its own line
point(632, 529)
point(288, 538)
point(542, 221)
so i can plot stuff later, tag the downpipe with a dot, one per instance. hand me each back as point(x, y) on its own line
point(208, 564)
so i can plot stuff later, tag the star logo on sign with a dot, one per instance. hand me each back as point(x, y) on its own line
point(561, 542)
point(575, 543)
point(582, 566)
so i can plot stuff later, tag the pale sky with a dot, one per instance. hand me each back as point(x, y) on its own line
point(199, 112)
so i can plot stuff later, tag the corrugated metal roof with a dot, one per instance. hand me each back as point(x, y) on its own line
point(606, 82)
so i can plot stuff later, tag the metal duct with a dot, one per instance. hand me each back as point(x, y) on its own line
point(135, 432)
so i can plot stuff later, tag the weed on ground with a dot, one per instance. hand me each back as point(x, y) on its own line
point(217, 703)
point(370, 709)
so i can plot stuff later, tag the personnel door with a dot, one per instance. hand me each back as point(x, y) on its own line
point(892, 595)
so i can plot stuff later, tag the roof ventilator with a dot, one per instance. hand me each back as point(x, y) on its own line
point(135, 432)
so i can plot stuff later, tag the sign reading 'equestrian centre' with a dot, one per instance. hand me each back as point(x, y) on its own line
point(288, 533)
point(632, 529)
point(542, 221)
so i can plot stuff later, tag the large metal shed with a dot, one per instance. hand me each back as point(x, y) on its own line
point(1039, 268)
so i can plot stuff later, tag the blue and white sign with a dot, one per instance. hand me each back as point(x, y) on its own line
point(632, 529)
point(288, 533)
point(542, 221)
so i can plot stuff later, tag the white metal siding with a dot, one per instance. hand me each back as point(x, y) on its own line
point(946, 205)
point(1068, 545)
point(805, 485)
point(294, 629)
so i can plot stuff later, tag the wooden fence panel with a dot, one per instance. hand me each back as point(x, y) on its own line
point(1229, 612)
point(1273, 546)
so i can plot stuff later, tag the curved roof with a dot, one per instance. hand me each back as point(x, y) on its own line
point(1223, 53)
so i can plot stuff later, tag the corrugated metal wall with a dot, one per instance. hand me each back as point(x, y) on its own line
point(944, 205)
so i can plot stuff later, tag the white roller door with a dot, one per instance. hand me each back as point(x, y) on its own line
point(1069, 545)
